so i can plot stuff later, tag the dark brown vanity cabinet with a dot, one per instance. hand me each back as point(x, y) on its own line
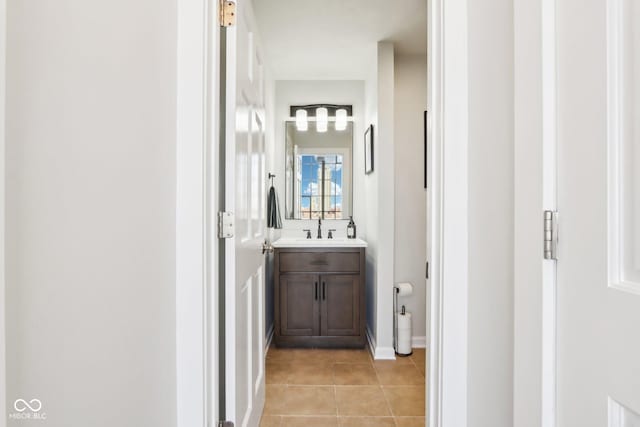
point(319, 297)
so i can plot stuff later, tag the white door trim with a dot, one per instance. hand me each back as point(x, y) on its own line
point(434, 226)
point(535, 191)
point(3, 102)
point(549, 202)
point(196, 208)
point(448, 240)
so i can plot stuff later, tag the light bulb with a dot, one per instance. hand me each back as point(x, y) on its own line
point(302, 125)
point(322, 119)
point(341, 119)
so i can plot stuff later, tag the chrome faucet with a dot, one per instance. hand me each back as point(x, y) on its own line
point(319, 228)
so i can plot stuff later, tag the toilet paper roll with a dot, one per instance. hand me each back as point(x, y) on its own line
point(405, 289)
point(404, 334)
point(404, 321)
point(404, 346)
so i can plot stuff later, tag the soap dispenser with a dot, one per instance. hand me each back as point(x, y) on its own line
point(351, 229)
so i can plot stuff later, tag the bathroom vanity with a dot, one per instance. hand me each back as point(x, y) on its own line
point(320, 293)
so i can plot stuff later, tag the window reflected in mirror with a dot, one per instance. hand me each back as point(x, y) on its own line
point(318, 172)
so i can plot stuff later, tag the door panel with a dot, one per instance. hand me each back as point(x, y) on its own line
point(340, 305)
point(625, 148)
point(598, 373)
point(299, 305)
point(244, 195)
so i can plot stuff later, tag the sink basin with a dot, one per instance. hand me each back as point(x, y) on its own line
point(287, 242)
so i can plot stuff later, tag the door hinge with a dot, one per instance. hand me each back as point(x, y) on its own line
point(427, 269)
point(225, 424)
point(225, 225)
point(227, 13)
point(551, 235)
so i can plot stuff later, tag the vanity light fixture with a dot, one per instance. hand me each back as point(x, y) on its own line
point(302, 125)
point(341, 119)
point(322, 119)
point(321, 114)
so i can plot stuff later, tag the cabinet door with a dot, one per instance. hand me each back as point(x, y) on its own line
point(299, 305)
point(340, 308)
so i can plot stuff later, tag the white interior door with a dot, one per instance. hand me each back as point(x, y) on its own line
point(598, 290)
point(245, 189)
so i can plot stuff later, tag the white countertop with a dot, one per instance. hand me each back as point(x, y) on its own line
point(339, 242)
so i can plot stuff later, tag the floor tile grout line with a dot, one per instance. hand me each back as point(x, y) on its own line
point(388, 404)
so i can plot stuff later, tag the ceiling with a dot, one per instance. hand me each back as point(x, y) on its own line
point(336, 39)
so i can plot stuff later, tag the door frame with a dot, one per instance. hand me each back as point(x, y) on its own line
point(447, 197)
point(534, 371)
point(197, 182)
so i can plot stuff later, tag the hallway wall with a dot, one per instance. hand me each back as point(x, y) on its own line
point(90, 211)
point(411, 197)
point(491, 214)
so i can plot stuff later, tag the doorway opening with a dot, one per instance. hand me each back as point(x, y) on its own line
point(328, 331)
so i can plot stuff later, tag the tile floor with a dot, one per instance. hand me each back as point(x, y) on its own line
point(343, 388)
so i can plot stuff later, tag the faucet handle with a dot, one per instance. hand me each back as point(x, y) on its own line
point(308, 233)
point(330, 235)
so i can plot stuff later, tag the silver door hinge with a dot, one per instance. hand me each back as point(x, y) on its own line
point(227, 13)
point(225, 424)
point(550, 235)
point(225, 225)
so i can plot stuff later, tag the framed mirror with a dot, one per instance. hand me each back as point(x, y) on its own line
point(318, 172)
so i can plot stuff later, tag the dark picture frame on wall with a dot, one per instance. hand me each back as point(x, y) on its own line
point(368, 150)
point(426, 151)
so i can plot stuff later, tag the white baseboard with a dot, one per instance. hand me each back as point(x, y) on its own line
point(385, 353)
point(269, 338)
point(419, 342)
point(379, 353)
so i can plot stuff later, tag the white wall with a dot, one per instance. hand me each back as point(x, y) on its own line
point(370, 187)
point(90, 211)
point(411, 197)
point(491, 202)
point(380, 197)
point(384, 147)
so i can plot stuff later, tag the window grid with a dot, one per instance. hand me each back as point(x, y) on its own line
point(321, 197)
